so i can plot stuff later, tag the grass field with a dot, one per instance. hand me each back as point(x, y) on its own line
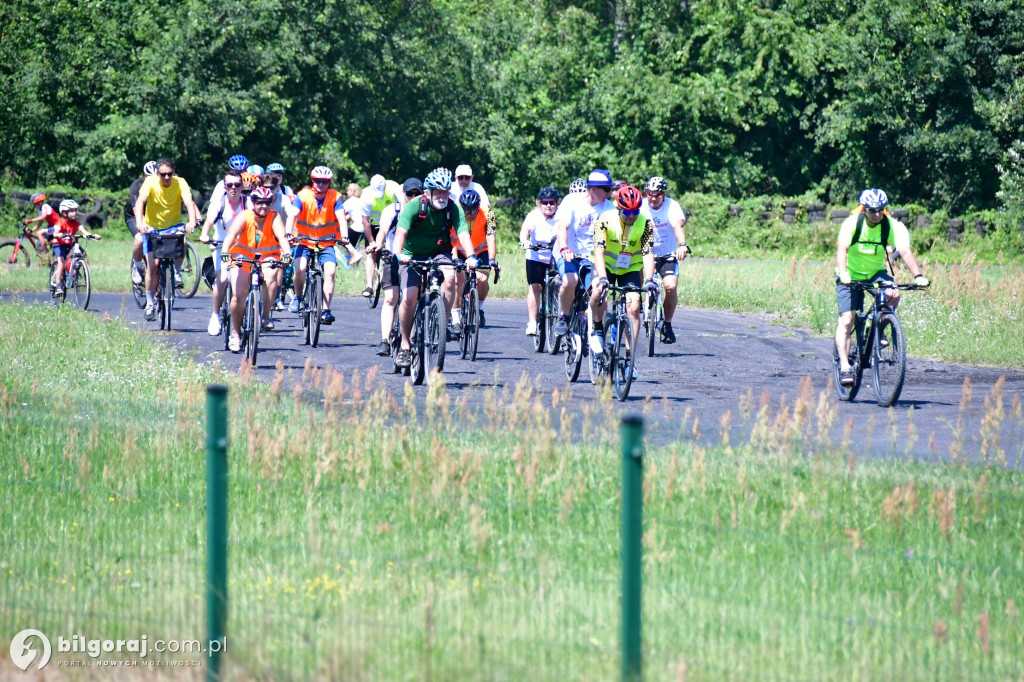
point(374, 540)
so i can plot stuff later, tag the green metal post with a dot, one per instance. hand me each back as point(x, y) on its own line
point(216, 526)
point(632, 544)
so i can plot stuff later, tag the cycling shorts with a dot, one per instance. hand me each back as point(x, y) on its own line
point(852, 300)
point(303, 251)
point(666, 266)
point(390, 277)
point(580, 267)
point(634, 278)
point(535, 272)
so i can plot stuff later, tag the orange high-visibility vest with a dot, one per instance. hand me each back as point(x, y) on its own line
point(246, 244)
point(316, 222)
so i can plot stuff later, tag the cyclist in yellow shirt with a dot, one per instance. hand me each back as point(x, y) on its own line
point(158, 211)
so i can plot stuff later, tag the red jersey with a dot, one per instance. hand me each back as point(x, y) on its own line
point(66, 228)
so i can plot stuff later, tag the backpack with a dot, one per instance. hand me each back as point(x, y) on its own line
point(449, 223)
point(860, 226)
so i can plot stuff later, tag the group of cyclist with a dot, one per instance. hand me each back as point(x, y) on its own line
point(603, 232)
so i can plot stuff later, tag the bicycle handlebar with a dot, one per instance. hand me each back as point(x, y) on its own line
point(867, 286)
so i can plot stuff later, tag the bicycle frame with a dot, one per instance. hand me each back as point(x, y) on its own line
point(428, 340)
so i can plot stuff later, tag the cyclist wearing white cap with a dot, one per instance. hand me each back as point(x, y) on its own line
point(380, 194)
point(464, 181)
point(574, 225)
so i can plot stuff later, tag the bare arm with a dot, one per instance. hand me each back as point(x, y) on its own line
point(236, 228)
point(140, 207)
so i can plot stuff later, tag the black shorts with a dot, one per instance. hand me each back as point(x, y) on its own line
point(356, 237)
point(410, 277)
point(389, 278)
point(535, 272)
point(624, 280)
point(666, 266)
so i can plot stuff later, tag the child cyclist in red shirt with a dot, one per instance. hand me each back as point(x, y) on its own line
point(63, 239)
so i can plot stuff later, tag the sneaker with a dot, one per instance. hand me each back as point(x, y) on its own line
point(596, 343)
point(404, 358)
point(178, 284)
point(213, 329)
point(138, 279)
point(636, 375)
point(267, 326)
point(279, 305)
point(327, 317)
point(456, 329)
point(531, 328)
point(562, 326)
point(846, 378)
point(235, 343)
point(295, 305)
point(384, 348)
point(367, 292)
point(667, 335)
point(483, 320)
point(58, 290)
point(150, 311)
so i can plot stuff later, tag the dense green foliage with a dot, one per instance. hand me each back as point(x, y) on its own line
point(733, 97)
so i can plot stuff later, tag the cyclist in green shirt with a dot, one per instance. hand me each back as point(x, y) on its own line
point(866, 239)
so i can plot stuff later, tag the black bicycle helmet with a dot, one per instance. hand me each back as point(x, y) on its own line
point(548, 193)
point(469, 200)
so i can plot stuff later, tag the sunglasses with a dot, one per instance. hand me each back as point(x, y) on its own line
point(166, 175)
point(550, 202)
point(262, 203)
point(630, 213)
point(655, 195)
point(874, 210)
point(413, 193)
point(232, 185)
point(319, 181)
point(270, 183)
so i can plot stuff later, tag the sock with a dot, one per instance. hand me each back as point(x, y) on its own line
point(137, 263)
point(456, 315)
point(150, 297)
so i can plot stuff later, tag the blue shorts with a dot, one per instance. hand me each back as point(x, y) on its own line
point(174, 229)
point(62, 250)
point(580, 267)
point(852, 300)
point(303, 251)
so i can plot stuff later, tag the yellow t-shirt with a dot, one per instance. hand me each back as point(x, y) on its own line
point(163, 207)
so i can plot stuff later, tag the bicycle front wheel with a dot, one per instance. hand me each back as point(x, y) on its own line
point(81, 284)
point(552, 310)
point(622, 360)
point(168, 297)
point(10, 259)
point(651, 323)
point(419, 332)
point(890, 359)
point(191, 272)
point(437, 336)
point(315, 302)
point(573, 354)
point(375, 285)
point(251, 327)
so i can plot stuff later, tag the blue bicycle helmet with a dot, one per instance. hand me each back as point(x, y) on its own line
point(469, 200)
point(256, 169)
point(439, 178)
point(874, 199)
point(275, 168)
point(238, 163)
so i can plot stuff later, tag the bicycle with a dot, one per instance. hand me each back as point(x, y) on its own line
point(14, 252)
point(224, 313)
point(549, 307)
point(191, 271)
point(879, 343)
point(252, 317)
point(617, 359)
point(574, 342)
point(76, 275)
point(313, 296)
point(165, 248)
point(470, 310)
point(430, 323)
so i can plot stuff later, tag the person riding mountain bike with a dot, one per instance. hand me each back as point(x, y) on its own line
point(538, 230)
point(47, 215)
point(667, 219)
point(866, 238)
point(623, 253)
point(319, 210)
point(64, 231)
point(481, 233)
point(220, 217)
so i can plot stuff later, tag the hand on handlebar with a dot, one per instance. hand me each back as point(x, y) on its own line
point(472, 262)
point(651, 287)
point(190, 227)
point(566, 254)
point(922, 281)
point(682, 251)
point(843, 276)
point(404, 258)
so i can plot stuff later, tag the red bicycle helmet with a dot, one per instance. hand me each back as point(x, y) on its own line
point(628, 198)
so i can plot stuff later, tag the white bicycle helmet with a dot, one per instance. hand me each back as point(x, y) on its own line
point(149, 168)
point(874, 199)
point(578, 186)
point(321, 173)
point(68, 205)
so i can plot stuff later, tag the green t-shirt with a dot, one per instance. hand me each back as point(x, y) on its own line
point(431, 235)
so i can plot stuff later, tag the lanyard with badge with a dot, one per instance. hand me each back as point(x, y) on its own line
point(625, 258)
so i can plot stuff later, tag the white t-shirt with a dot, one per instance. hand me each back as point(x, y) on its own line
point(227, 216)
point(582, 217)
point(457, 191)
point(541, 231)
point(665, 242)
point(388, 221)
point(354, 208)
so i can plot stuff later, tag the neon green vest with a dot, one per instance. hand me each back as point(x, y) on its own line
point(614, 246)
point(378, 205)
point(867, 255)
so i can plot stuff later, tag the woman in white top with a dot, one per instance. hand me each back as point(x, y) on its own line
point(221, 212)
point(538, 231)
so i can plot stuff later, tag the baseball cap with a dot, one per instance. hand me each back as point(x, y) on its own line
point(412, 184)
point(464, 169)
point(378, 183)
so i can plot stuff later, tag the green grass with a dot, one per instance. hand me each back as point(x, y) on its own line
point(372, 538)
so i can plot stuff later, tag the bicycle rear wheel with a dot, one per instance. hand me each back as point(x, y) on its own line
point(191, 272)
point(138, 290)
point(573, 353)
point(168, 297)
point(651, 320)
point(890, 360)
point(81, 284)
point(10, 259)
point(315, 303)
point(553, 310)
point(375, 285)
point(622, 360)
point(847, 393)
point(437, 335)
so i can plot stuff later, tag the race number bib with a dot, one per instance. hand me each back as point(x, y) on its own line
point(623, 260)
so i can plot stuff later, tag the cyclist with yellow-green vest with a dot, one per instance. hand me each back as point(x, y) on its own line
point(623, 253)
point(379, 195)
point(866, 239)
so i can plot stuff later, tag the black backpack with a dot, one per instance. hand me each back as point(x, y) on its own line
point(860, 226)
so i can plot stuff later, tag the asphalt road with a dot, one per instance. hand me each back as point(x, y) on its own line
point(723, 363)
